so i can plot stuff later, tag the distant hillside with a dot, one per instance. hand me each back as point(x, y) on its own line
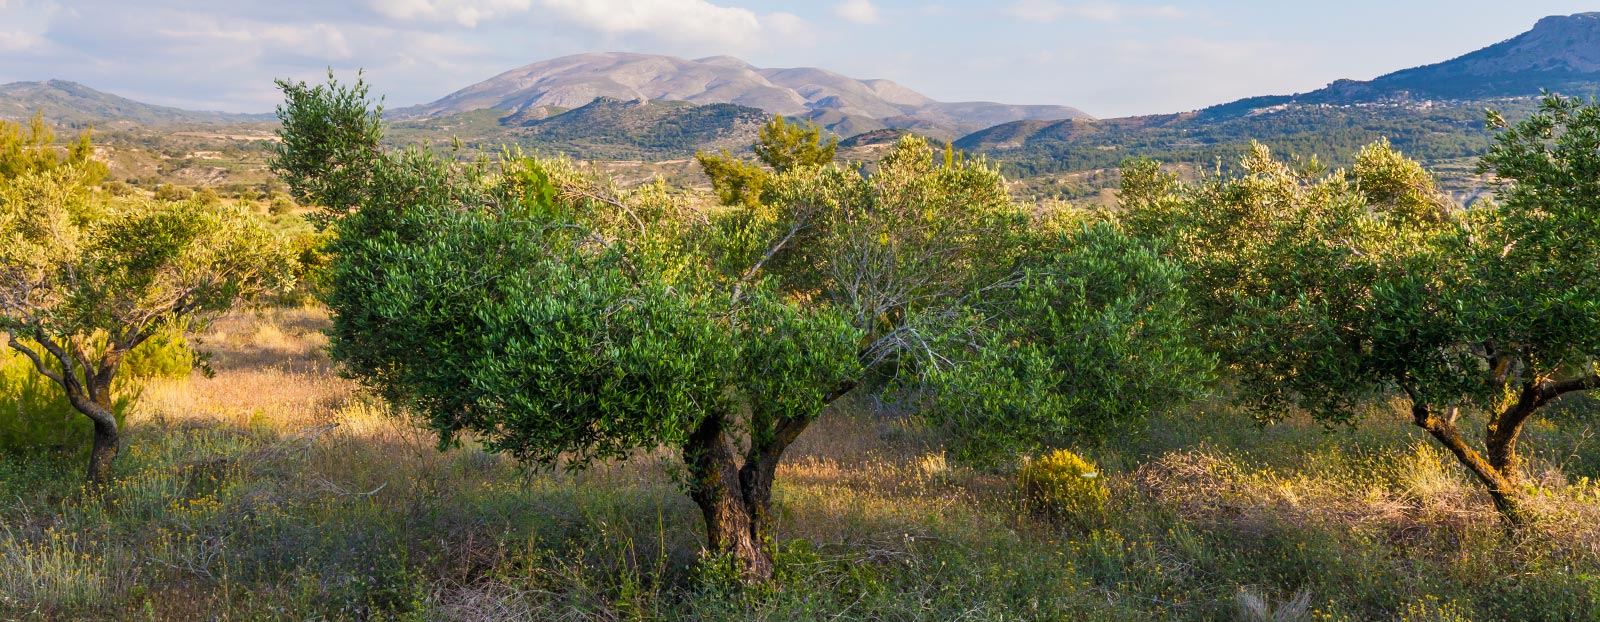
point(845, 105)
point(71, 104)
point(1560, 53)
point(875, 137)
point(1433, 113)
point(604, 129)
point(1333, 134)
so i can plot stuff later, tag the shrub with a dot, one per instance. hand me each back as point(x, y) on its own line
point(310, 267)
point(280, 205)
point(118, 189)
point(208, 196)
point(173, 192)
point(1063, 485)
point(166, 354)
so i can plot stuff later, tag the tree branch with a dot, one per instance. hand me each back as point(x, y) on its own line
point(1552, 390)
point(595, 196)
point(738, 288)
point(38, 363)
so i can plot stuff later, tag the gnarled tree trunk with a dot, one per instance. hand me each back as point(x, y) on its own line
point(94, 401)
point(89, 394)
point(1443, 429)
point(736, 498)
point(734, 519)
point(104, 451)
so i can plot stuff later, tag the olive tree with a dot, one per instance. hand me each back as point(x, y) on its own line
point(561, 320)
point(85, 278)
point(1327, 292)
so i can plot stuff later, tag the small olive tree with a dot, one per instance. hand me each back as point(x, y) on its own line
point(85, 279)
point(1093, 336)
point(1324, 293)
point(783, 146)
point(556, 319)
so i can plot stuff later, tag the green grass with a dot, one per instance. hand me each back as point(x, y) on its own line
point(274, 491)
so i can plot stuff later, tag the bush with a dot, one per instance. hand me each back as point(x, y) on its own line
point(165, 355)
point(208, 196)
point(280, 205)
point(173, 192)
point(118, 189)
point(1065, 486)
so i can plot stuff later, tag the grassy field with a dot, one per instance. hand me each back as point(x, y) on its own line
point(276, 491)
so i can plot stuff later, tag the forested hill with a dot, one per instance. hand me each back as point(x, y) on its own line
point(1433, 133)
point(1434, 113)
point(1560, 53)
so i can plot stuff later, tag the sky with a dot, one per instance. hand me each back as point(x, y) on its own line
point(1108, 57)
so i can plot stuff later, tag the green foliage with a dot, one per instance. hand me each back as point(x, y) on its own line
point(735, 181)
point(173, 193)
point(1062, 484)
point(166, 354)
point(35, 414)
point(89, 279)
point(566, 342)
point(783, 146)
point(329, 140)
point(1099, 337)
point(1316, 292)
point(557, 319)
point(1538, 261)
point(786, 146)
point(311, 261)
point(1327, 293)
point(268, 520)
point(608, 129)
point(1208, 142)
point(32, 150)
point(207, 195)
point(280, 205)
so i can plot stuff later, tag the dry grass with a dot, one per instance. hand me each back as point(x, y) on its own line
point(269, 369)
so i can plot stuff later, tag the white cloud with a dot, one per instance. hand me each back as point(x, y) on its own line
point(858, 11)
point(789, 27)
point(691, 22)
point(24, 24)
point(19, 41)
point(316, 40)
point(680, 21)
point(464, 12)
point(1052, 10)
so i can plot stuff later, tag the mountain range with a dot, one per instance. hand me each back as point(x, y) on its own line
point(651, 107)
point(845, 105)
point(1560, 53)
point(1434, 112)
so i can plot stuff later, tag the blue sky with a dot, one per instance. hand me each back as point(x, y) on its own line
point(1108, 57)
